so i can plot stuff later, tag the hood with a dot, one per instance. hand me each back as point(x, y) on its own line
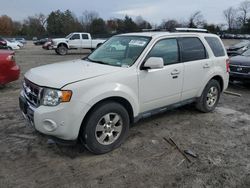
point(59, 39)
point(234, 48)
point(240, 60)
point(60, 74)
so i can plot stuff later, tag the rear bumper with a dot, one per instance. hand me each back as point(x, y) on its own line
point(11, 75)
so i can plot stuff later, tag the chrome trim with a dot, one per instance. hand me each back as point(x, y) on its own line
point(240, 66)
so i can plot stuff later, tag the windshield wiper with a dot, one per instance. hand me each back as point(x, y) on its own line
point(96, 61)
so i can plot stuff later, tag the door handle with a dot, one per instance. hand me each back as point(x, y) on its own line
point(206, 66)
point(175, 72)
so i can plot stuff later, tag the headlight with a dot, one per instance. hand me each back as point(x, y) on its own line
point(53, 97)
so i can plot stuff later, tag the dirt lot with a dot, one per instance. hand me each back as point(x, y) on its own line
point(221, 139)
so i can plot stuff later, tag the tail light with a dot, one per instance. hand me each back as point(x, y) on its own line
point(227, 65)
point(10, 58)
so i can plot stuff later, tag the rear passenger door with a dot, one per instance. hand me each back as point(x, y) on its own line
point(196, 65)
point(86, 41)
point(162, 87)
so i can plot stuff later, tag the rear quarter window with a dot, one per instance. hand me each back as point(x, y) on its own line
point(216, 46)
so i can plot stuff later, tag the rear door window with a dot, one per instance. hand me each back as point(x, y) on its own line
point(192, 49)
point(216, 46)
point(85, 36)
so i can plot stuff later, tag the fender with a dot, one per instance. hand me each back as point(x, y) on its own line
point(216, 71)
point(99, 93)
point(63, 43)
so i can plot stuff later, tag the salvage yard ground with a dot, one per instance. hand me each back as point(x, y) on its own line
point(221, 139)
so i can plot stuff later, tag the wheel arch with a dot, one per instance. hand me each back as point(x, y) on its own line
point(216, 77)
point(62, 44)
point(124, 102)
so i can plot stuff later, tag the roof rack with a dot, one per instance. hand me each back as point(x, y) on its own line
point(196, 30)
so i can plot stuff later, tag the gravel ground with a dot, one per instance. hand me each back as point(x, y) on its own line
point(221, 139)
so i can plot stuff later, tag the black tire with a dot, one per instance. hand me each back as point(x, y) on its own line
point(89, 134)
point(62, 50)
point(57, 52)
point(207, 102)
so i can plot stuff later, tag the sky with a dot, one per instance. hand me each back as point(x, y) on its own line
point(152, 10)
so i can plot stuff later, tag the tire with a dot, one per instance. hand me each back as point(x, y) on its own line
point(62, 50)
point(210, 97)
point(57, 52)
point(100, 133)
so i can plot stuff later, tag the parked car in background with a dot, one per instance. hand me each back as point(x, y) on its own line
point(95, 99)
point(22, 40)
point(240, 67)
point(34, 39)
point(41, 41)
point(48, 45)
point(13, 45)
point(3, 44)
point(13, 40)
point(75, 41)
point(9, 70)
point(238, 48)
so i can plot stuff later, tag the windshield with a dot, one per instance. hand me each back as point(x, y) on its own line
point(68, 36)
point(241, 44)
point(246, 53)
point(120, 50)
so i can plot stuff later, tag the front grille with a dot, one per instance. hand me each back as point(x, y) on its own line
point(240, 69)
point(32, 92)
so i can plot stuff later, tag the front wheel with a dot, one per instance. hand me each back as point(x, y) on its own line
point(106, 128)
point(62, 50)
point(210, 97)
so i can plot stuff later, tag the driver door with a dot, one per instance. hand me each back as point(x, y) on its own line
point(75, 41)
point(162, 87)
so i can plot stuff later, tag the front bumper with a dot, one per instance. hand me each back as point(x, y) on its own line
point(240, 76)
point(62, 121)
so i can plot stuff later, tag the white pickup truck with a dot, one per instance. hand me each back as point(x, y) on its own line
point(75, 41)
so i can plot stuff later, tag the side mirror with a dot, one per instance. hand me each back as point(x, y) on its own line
point(154, 63)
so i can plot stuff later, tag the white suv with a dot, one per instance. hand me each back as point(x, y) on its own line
point(129, 77)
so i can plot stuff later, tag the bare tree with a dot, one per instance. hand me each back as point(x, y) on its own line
point(170, 24)
point(196, 20)
point(87, 18)
point(244, 9)
point(42, 19)
point(230, 15)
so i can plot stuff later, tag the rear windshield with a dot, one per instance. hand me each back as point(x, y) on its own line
point(216, 46)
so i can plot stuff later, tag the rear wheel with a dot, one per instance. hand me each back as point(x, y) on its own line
point(106, 128)
point(210, 97)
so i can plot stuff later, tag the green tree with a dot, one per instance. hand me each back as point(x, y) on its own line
point(62, 23)
point(98, 26)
